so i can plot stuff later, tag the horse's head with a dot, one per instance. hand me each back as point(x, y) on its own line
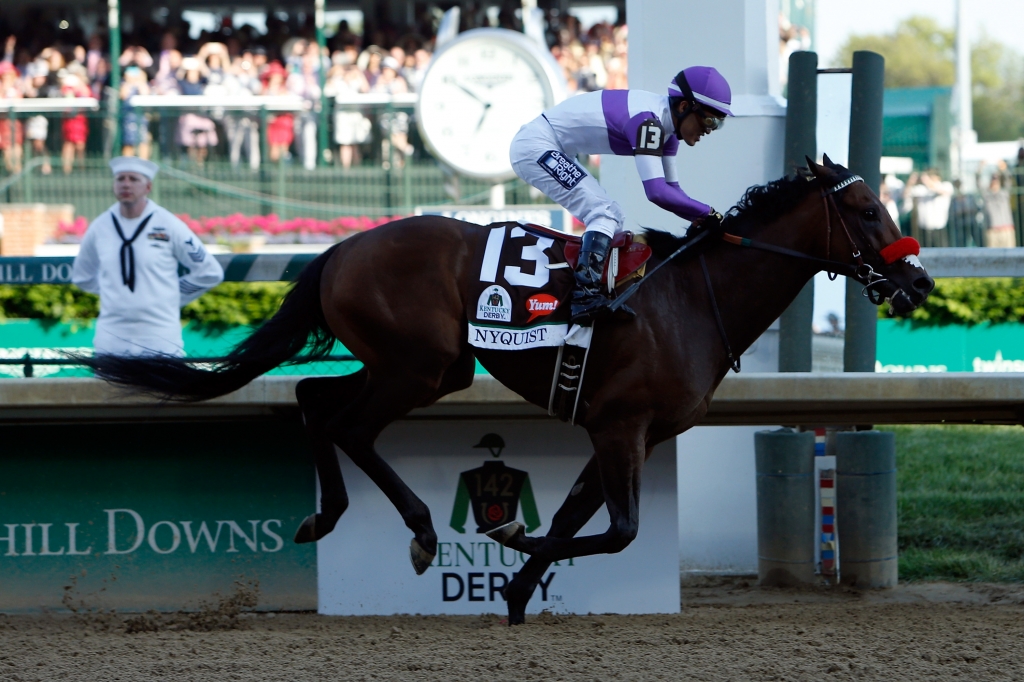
point(887, 262)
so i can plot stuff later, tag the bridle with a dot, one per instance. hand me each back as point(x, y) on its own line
point(859, 270)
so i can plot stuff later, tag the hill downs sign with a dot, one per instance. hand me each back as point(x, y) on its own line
point(154, 516)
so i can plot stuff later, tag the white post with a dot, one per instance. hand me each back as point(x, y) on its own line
point(963, 131)
point(718, 513)
point(498, 196)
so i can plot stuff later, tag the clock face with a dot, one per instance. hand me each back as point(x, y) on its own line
point(480, 89)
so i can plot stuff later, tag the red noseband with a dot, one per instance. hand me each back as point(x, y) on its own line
point(901, 248)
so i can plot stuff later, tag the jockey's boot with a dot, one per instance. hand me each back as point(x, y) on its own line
point(589, 299)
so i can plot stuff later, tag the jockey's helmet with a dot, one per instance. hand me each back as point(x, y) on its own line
point(704, 91)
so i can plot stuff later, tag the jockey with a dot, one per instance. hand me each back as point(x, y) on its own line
point(635, 123)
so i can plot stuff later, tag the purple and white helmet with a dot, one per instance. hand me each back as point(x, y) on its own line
point(707, 85)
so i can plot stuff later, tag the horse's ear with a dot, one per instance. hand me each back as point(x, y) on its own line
point(818, 171)
point(827, 161)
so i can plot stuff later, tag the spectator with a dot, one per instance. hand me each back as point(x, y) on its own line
point(414, 77)
point(75, 127)
point(11, 129)
point(1000, 232)
point(281, 127)
point(930, 197)
point(305, 84)
point(137, 277)
point(370, 62)
point(967, 216)
point(196, 133)
point(134, 126)
point(37, 127)
point(1018, 181)
point(394, 124)
point(242, 127)
point(351, 127)
point(165, 82)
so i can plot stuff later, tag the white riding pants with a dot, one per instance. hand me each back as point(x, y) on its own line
point(539, 160)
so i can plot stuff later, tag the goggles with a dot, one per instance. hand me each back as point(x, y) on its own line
point(709, 119)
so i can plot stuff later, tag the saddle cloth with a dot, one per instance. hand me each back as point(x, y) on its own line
point(524, 282)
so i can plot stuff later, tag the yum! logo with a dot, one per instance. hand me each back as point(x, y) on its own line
point(540, 305)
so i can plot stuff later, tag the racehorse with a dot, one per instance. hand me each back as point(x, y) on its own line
point(396, 296)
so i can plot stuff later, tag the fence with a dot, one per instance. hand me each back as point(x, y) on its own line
point(386, 183)
point(968, 219)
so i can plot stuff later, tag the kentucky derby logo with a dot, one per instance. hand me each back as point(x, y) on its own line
point(540, 305)
point(494, 492)
point(495, 305)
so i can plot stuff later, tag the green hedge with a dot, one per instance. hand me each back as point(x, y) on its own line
point(970, 301)
point(228, 304)
point(954, 301)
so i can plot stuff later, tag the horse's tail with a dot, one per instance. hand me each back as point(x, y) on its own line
point(297, 324)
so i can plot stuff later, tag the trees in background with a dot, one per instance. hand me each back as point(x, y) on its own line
point(920, 53)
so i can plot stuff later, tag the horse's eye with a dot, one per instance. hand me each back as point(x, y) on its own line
point(870, 214)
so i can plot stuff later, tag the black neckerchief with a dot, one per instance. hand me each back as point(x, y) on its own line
point(127, 253)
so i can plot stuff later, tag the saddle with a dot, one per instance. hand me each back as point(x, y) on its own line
point(626, 261)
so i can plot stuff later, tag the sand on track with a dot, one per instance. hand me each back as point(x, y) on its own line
point(727, 630)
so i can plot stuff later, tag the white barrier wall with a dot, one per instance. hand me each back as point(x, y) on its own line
point(364, 566)
point(717, 514)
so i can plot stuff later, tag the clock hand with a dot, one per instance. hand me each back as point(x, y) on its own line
point(466, 90)
point(487, 107)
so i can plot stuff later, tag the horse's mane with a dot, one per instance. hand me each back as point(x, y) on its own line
point(760, 204)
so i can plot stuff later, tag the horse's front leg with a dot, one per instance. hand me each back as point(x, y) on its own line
point(620, 454)
point(585, 498)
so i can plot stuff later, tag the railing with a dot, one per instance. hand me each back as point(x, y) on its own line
point(330, 364)
point(386, 183)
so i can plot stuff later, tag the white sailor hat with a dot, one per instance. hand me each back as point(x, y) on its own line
point(133, 164)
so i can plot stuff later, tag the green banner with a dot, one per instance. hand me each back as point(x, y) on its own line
point(902, 347)
point(154, 516)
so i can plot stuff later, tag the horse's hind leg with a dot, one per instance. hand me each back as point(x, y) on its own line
point(383, 400)
point(582, 503)
point(319, 399)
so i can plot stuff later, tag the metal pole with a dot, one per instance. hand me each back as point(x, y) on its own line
point(866, 508)
point(114, 22)
point(785, 507)
point(321, 40)
point(795, 353)
point(865, 160)
point(264, 161)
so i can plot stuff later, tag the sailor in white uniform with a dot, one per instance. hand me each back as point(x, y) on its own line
point(130, 256)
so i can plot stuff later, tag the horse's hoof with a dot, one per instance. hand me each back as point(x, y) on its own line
point(421, 558)
point(517, 617)
point(307, 530)
point(503, 534)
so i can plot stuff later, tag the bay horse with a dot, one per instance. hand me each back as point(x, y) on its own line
point(395, 296)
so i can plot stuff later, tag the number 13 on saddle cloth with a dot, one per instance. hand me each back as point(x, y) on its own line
point(524, 283)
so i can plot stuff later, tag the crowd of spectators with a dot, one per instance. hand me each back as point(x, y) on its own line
point(940, 213)
point(231, 64)
point(593, 60)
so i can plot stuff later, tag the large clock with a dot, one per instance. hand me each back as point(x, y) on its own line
point(479, 90)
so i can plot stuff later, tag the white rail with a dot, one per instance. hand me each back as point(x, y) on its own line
point(753, 399)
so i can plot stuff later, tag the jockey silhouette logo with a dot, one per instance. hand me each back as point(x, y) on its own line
point(494, 492)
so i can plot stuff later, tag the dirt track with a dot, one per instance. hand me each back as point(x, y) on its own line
point(727, 630)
